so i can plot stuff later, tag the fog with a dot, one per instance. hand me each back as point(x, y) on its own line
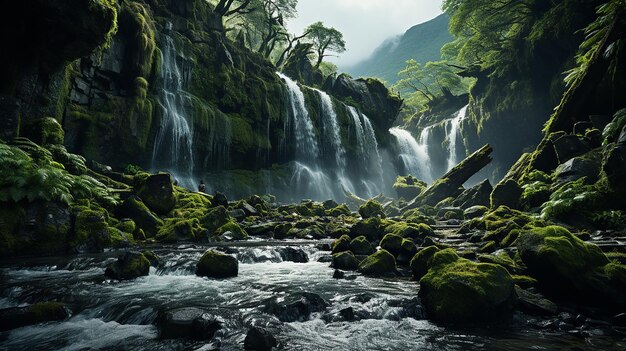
point(365, 24)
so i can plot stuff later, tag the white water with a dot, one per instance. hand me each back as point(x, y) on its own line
point(174, 141)
point(414, 155)
point(453, 134)
point(330, 128)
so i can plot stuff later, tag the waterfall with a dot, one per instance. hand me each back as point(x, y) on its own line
point(453, 134)
point(330, 129)
point(414, 154)
point(367, 148)
point(300, 123)
point(174, 140)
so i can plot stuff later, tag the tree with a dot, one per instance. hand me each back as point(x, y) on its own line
point(324, 40)
point(227, 8)
point(273, 30)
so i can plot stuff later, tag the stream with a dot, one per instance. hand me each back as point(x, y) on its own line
point(385, 313)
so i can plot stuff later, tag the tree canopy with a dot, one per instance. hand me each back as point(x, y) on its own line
point(325, 40)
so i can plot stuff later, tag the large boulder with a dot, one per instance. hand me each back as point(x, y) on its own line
point(392, 243)
point(45, 131)
point(478, 195)
point(187, 322)
point(378, 264)
point(506, 193)
point(346, 261)
point(217, 265)
point(371, 209)
point(360, 246)
point(232, 231)
point(136, 210)
point(422, 261)
point(371, 228)
point(568, 268)
point(340, 245)
point(157, 192)
point(129, 265)
point(296, 308)
point(16, 317)
point(587, 166)
point(460, 291)
point(259, 339)
point(568, 146)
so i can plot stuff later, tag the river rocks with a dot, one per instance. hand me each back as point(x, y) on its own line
point(568, 268)
point(461, 291)
point(392, 243)
point(506, 193)
point(157, 192)
point(16, 317)
point(371, 228)
point(378, 264)
point(258, 339)
point(129, 265)
point(216, 218)
point(422, 261)
point(371, 209)
point(135, 209)
point(535, 303)
point(232, 231)
point(217, 265)
point(360, 246)
point(341, 244)
point(408, 187)
point(297, 308)
point(187, 322)
point(290, 254)
point(219, 199)
point(345, 260)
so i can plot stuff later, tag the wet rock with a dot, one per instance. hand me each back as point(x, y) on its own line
point(16, 317)
point(372, 209)
point(392, 243)
point(461, 291)
point(329, 204)
point(259, 339)
point(341, 244)
point(378, 264)
point(217, 265)
point(568, 146)
point(371, 228)
point(216, 218)
point(478, 195)
point(248, 209)
point(136, 210)
point(291, 254)
point(475, 212)
point(157, 192)
point(187, 322)
point(345, 260)
point(219, 199)
point(422, 261)
point(535, 303)
point(450, 213)
point(237, 214)
point(129, 265)
point(408, 250)
point(344, 315)
point(507, 193)
point(337, 274)
point(232, 231)
point(155, 261)
point(360, 246)
point(297, 308)
point(578, 167)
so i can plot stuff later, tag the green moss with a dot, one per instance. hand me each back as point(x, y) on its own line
point(524, 281)
point(612, 130)
point(341, 244)
point(345, 260)
point(46, 131)
point(360, 246)
point(422, 261)
point(392, 243)
point(408, 187)
point(176, 229)
point(235, 230)
point(217, 265)
point(137, 25)
point(42, 311)
point(371, 209)
point(458, 290)
point(341, 210)
point(379, 263)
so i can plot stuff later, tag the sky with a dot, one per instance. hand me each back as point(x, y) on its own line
point(365, 24)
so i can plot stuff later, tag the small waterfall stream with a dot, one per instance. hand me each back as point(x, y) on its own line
point(414, 155)
point(454, 133)
point(174, 141)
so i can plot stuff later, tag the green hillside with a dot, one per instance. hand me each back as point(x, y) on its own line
point(422, 42)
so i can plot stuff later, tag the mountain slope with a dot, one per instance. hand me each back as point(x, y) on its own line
point(422, 42)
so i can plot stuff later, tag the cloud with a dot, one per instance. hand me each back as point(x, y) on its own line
point(364, 23)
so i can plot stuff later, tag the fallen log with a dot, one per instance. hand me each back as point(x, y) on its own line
point(450, 184)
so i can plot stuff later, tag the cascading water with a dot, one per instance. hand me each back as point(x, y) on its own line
point(174, 141)
point(330, 129)
point(414, 155)
point(453, 134)
point(367, 147)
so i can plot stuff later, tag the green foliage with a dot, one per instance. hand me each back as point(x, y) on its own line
point(324, 40)
point(612, 130)
point(572, 197)
point(25, 178)
point(132, 169)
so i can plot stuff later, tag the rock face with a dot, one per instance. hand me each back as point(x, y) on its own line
point(16, 317)
point(217, 265)
point(188, 322)
point(128, 266)
point(461, 291)
point(157, 192)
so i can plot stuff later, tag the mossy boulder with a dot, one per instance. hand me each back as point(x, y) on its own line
point(216, 218)
point(475, 212)
point(360, 246)
point(217, 265)
point(371, 209)
point(340, 210)
point(410, 230)
point(460, 291)
point(371, 228)
point(568, 268)
point(45, 131)
point(341, 244)
point(378, 264)
point(136, 210)
point(507, 193)
point(422, 261)
point(157, 192)
point(408, 187)
point(345, 260)
point(180, 229)
point(129, 265)
point(16, 317)
point(408, 249)
point(92, 232)
point(232, 230)
point(392, 243)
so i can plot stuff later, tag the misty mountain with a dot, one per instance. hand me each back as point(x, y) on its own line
point(422, 42)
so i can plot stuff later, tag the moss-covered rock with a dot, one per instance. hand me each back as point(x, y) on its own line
point(217, 265)
point(92, 232)
point(461, 291)
point(392, 243)
point(372, 209)
point(422, 261)
point(475, 212)
point(129, 265)
point(408, 187)
point(136, 210)
point(380, 263)
point(216, 218)
point(371, 228)
point(45, 131)
point(341, 244)
point(157, 192)
point(360, 246)
point(180, 229)
point(345, 260)
point(233, 230)
point(340, 210)
point(410, 230)
point(16, 317)
point(507, 193)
